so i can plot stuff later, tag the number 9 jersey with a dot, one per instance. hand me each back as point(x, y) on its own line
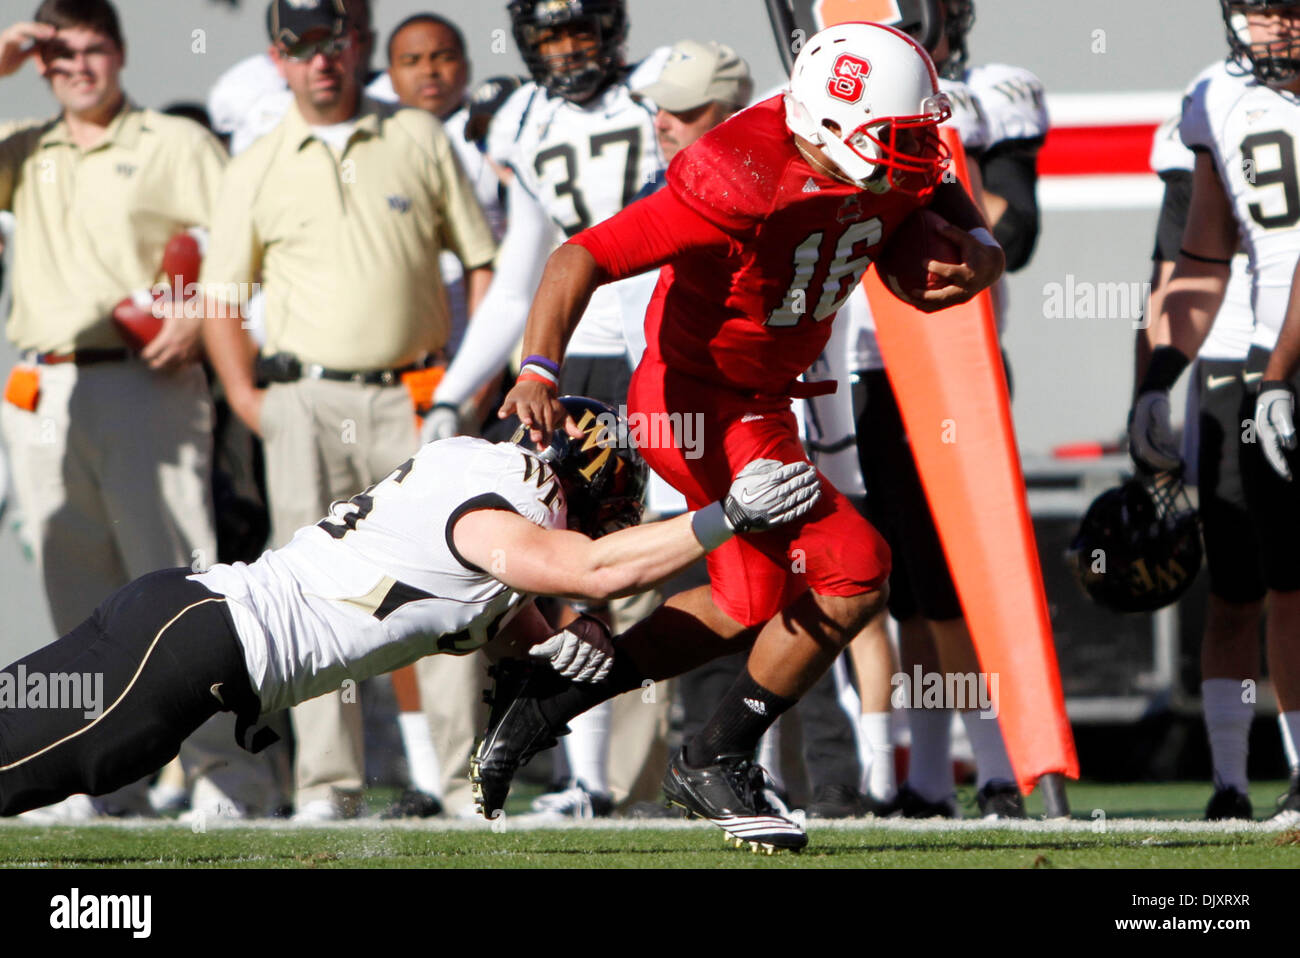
point(1249, 130)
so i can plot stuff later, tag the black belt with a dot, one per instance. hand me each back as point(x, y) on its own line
point(286, 368)
point(82, 357)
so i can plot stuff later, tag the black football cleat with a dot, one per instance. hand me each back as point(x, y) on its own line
point(413, 803)
point(909, 804)
point(730, 794)
point(1000, 800)
point(1288, 805)
point(837, 801)
point(516, 731)
point(1227, 804)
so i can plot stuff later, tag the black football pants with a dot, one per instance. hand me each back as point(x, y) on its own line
point(113, 699)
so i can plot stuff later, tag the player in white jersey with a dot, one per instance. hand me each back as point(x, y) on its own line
point(1240, 119)
point(442, 555)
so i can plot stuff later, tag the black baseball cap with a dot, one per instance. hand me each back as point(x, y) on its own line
point(288, 21)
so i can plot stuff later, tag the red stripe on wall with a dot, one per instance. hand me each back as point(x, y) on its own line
point(1094, 150)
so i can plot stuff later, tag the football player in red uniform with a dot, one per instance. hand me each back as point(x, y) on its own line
point(767, 224)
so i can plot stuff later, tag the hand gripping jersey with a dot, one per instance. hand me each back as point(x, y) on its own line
point(754, 316)
point(582, 164)
point(378, 583)
point(1250, 131)
point(1230, 335)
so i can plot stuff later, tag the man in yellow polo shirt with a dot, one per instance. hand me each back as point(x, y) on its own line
point(340, 213)
point(110, 451)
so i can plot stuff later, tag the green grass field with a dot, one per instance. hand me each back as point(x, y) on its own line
point(1143, 826)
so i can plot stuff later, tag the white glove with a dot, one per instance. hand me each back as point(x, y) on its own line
point(1150, 436)
point(767, 493)
point(442, 422)
point(582, 651)
point(1275, 425)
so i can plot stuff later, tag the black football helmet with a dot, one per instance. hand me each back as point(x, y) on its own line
point(959, 17)
point(1139, 546)
point(1272, 63)
point(604, 478)
point(575, 77)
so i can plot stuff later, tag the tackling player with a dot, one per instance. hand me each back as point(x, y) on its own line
point(767, 224)
point(1239, 120)
point(442, 555)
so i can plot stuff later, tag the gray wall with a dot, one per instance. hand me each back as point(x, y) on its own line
point(1072, 375)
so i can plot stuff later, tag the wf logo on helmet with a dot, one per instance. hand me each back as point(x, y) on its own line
point(847, 76)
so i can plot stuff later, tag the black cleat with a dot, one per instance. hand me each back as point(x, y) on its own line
point(909, 804)
point(1228, 803)
point(516, 731)
point(1000, 800)
point(730, 794)
point(413, 803)
point(838, 801)
point(1288, 805)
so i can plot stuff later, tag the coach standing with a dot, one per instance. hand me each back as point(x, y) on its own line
point(111, 452)
point(341, 213)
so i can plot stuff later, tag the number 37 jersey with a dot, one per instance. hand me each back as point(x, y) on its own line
point(378, 583)
point(1250, 130)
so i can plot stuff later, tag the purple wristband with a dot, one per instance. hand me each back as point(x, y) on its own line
point(547, 364)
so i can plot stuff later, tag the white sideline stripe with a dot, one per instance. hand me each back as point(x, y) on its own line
point(129, 685)
point(1140, 191)
point(1109, 109)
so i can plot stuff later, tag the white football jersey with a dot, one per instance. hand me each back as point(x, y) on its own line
point(1234, 326)
point(378, 583)
point(1250, 131)
point(582, 164)
point(1013, 102)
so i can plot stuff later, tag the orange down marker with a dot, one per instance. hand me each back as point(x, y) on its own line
point(946, 370)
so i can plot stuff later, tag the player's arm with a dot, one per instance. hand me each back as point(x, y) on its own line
point(529, 558)
point(1170, 226)
point(982, 258)
point(643, 236)
point(1191, 301)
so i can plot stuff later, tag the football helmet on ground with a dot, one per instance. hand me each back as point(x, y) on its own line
point(1138, 548)
point(604, 478)
point(1275, 60)
point(868, 95)
point(586, 68)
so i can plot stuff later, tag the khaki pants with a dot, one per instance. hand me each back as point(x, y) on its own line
point(113, 474)
point(325, 441)
point(451, 697)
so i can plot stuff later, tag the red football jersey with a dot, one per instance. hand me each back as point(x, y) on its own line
point(756, 315)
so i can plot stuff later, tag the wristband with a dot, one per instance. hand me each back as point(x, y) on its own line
point(1166, 365)
point(549, 365)
point(985, 237)
point(541, 371)
point(528, 376)
point(710, 526)
point(1268, 384)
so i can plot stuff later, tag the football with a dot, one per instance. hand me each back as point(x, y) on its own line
point(904, 263)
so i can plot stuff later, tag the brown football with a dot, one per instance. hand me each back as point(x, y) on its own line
point(904, 263)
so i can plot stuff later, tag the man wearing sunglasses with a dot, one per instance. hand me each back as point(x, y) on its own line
point(110, 448)
point(340, 214)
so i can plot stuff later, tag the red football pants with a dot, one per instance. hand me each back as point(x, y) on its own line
point(831, 550)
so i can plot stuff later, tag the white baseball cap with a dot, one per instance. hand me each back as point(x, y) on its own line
point(697, 73)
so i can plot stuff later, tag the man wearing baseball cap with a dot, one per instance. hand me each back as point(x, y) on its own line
point(701, 85)
point(340, 212)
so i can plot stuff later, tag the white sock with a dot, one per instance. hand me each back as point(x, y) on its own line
point(588, 746)
point(769, 755)
point(421, 755)
point(878, 770)
point(1227, 724)
point(929, 765)
point(1290, 722)
point(991, 761)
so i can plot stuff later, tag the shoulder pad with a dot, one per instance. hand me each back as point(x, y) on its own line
point(1013, 100)
point(967, 115)
point(503, 133)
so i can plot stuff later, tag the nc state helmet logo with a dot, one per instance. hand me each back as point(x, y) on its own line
point(847, 76)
